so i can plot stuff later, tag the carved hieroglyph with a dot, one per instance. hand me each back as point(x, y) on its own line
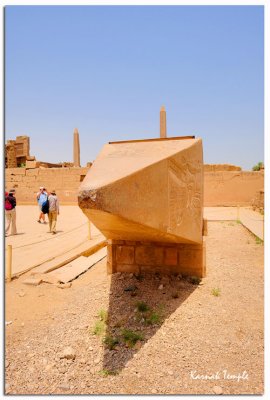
point(148, 190)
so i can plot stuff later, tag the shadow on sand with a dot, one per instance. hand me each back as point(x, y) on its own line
point(138, 306)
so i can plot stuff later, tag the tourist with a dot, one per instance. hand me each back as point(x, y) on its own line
point(53, 211)
point(10, 211)
point(41, 198)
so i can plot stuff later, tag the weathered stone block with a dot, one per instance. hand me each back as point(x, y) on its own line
point(192, 260)
point(171, 256)
point(48, 171)
point(130, 242)
point(149, 255)
point(128, 268)
point(16, 171)
point(29, 179)
point(111, 251)
point(15, 178)
point(125, 254)
point(71, 178)
point(31, 164)
point(78, 171)
point(32, 172)
point(110, 268)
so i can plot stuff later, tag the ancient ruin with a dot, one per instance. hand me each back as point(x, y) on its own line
point(17, 152)
point(146, 197)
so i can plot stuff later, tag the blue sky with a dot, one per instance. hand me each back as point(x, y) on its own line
point(107, 71)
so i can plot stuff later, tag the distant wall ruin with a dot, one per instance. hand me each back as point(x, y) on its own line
point(26, 181)
point(221, 188)
point(221, 167)
point(232, 188)
point(17, 151)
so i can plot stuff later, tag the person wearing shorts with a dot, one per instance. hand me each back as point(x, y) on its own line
point(42, 196)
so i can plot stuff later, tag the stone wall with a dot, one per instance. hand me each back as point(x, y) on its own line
point(232, 188)
point(220, 167)
point(222, 188)
point(65, 181)
point(139, 257)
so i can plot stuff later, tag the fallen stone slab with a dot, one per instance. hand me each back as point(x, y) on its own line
point(86, 249)
point(72, 270)
point(32, 281)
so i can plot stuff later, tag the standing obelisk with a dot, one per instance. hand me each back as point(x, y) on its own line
point(163, 127)
point(76, 148)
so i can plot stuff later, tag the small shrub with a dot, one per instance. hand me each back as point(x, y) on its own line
point(131, 337)
point(238, 221)
point(107, 372)
point(194, 280)
point(155, 318)
point(142, 306)
point(103, 315)
point(99, 328)
point(110, 342)
point(216, 292)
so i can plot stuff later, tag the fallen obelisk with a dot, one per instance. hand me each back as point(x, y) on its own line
point(146, 197)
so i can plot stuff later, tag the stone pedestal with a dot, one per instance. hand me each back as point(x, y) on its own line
point(165, 258)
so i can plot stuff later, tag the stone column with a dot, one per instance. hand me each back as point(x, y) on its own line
point(163, 127)
point(76, 148)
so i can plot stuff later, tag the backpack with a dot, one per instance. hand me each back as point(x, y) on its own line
point(8, 205)
point(45, 207)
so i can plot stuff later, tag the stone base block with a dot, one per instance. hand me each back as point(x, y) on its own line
point(166, 258)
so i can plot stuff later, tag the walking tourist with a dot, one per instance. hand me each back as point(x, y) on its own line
point(53, 211)
point(42, 196)
point(10, 211)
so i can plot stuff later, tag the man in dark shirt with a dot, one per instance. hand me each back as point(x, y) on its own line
point(10, 211)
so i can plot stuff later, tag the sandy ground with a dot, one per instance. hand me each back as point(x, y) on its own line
point(33, 244)
point(252, 220)
point(186, 335)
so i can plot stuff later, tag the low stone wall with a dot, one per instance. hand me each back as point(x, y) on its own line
point(221, 167)
point(65, 181)
point(221, 188)
point(139, 257)
point(232, 188)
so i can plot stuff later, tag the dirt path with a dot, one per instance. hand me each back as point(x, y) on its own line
point(187, 332)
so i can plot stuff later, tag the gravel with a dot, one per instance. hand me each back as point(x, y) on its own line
point(195, 343)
